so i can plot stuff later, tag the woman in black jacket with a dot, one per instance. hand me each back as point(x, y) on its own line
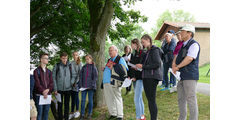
point(136, 76)
point(152, 73)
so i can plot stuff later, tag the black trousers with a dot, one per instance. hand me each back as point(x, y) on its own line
point(150, 87)
point(65, 98)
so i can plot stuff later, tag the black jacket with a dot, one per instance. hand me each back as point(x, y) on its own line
point(136, 58)
point(152, 64)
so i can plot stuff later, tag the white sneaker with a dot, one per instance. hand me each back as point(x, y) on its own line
point(173, 89)
point(76, 114)
point(70, 116)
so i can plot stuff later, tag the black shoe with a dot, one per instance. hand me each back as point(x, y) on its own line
point(81, 117)
point(89, 117)
point(112, 117)
point(119, 118)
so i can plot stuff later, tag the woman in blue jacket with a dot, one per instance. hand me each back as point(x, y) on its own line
point(87, 84)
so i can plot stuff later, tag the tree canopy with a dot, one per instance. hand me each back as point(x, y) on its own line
point(63, 25)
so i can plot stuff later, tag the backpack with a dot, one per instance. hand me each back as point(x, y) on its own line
point(38, 71)
point(118, 73)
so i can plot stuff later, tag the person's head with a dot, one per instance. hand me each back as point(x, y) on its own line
point(168, 37)
point(89, 59)
point(75, 55)
point(179, 36)
point(146, 41)
point(113, 51)
point(127, 49)
point(64, 57)
point(136, 44)
point(43, 58)
point(187, 32)
point(78, 60)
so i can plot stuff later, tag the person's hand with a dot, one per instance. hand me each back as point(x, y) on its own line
point(55, 92)
point(74, 85)
point(102, 68)
point(45, 92)
point(175, 69)
point(139, 66)
point(133, 79)
point(135, 68)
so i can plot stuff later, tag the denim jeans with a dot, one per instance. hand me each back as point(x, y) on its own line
point(90, 101)
point(166, 66)
point(138, 100)
point(42, 110)
point(75, 101)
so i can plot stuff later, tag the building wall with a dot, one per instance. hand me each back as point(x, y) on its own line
point(203, 38)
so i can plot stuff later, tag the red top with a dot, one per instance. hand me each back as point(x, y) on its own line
point(178, 47)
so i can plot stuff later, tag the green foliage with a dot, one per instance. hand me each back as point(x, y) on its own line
point(63, 25)
point(175, 16)
point(123, 23)
point(203, 77)
point(166, 102)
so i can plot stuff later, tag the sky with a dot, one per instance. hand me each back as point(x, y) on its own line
point(154, 8)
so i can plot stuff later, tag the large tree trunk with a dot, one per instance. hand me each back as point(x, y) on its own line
point(100, 19)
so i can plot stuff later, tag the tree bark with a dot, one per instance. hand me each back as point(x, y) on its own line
point(99, 25)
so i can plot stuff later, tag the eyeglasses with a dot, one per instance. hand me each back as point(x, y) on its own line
point(46, 58)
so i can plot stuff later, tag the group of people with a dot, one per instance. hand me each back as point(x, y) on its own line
point(143, 63)
point(64, 81)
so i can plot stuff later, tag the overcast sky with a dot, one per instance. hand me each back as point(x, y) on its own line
point(154, 8)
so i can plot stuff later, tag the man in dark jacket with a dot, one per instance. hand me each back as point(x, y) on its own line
point(168, 49)
point(43, 86)
point(187, 62)
point(62, 84)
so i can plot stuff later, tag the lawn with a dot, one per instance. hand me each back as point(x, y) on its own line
point(202, 74)
point(166, 102)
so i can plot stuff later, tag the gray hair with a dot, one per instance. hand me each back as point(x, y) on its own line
point(114, 47)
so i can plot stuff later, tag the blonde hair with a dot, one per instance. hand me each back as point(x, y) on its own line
point(125, 48)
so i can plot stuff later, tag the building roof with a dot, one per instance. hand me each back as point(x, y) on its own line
point(176, 25)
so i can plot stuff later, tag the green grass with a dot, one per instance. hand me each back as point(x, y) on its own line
point(166, 102)
point(202, 74)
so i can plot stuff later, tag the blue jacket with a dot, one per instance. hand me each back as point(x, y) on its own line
point(168, 51)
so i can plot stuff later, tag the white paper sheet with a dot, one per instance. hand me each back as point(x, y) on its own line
point(58, 97)
point(82, 89)
point(127, 82)
point(177, 75)
point(132, 65)
point(43, 101)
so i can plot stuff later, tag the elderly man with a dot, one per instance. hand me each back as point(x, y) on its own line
point(187, 62)
point(112, 93)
